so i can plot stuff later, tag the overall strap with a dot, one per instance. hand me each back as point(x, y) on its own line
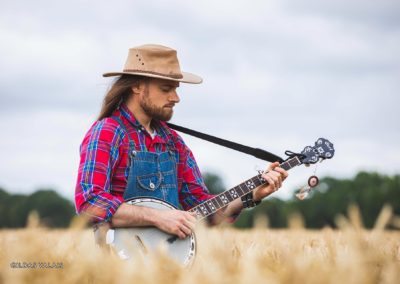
point(131, 142)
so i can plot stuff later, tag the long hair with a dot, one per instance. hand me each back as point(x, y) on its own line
point(119, 93)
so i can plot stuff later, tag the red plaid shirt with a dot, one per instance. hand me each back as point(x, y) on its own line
point(103, 170)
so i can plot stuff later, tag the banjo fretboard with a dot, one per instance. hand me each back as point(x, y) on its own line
point(223, 199)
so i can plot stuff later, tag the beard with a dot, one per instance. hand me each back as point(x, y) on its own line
point(159, 113)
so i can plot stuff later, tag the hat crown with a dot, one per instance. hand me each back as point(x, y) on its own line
point(153, 59)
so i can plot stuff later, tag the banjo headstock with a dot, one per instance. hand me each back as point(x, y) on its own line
point(323, 149)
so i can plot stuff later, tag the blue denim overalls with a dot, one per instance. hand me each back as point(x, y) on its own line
point(151, 175)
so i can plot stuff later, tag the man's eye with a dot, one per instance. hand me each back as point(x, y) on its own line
point(166, 89)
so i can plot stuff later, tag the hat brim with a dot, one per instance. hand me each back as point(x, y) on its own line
point(186, 76)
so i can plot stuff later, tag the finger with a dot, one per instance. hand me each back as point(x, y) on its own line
point(181, 234)
point(185, 229)
point(277, 182)
point(283, 173)
point(276, 177)
point(178, 232)
point(190, 221)
point(191, 216)
point(279, 177)
point(189, 224)
point(274, 174)
point(270, 181)
point(273, 165)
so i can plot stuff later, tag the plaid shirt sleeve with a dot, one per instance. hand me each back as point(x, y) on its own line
point(193, 190)
point(99, 153)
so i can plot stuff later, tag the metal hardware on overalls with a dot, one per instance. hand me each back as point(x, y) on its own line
point(152, 186)
point(133, 153)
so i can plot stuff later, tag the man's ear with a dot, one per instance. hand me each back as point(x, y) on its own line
point(138, 87)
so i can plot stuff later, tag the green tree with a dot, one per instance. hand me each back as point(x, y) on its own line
point(214, 183)
point(369, 191)
point(53, 210)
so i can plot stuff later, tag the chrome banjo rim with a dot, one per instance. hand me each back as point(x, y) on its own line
point(189, 259)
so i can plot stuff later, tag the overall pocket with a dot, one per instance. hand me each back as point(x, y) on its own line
point(150, 181)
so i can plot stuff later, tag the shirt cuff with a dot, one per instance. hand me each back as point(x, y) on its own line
point(101, 209)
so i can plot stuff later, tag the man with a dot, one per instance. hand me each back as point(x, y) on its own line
point(130, 151)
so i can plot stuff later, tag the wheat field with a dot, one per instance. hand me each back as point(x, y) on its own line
point(350, 254)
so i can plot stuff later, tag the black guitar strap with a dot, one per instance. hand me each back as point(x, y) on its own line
point(256, 152)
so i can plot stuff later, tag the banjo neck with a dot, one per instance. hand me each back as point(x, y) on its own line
point(222, 200)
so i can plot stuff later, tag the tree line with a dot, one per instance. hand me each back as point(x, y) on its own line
point(53, 210)
point(369, 191)
point(332, 197)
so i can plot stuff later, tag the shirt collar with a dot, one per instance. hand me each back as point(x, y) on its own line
point(128, 115)
point(160, 127)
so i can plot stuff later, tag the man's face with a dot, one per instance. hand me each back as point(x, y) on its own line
point(158, 98)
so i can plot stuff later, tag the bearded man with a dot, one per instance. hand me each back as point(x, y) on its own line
point(130, 152)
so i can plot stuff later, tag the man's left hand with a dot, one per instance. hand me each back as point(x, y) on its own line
point(274, 176)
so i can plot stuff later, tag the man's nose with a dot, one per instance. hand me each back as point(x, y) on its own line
point(174, 97)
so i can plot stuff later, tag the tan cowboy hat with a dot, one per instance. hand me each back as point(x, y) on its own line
point(156, 61)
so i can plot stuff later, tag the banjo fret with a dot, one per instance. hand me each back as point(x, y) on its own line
point(219, 201)
point(203, 209)
point(239, 190)
point(197, 211)
point(228, 196)
point(233, 193)
point(211, 206)
point(224, 199)
point(215, 202)
point(208, 207)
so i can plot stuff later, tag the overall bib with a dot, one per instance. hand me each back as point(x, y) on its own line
point(152, 175)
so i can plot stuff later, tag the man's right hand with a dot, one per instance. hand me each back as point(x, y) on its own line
point(176, 222)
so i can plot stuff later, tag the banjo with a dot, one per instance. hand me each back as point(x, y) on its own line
point(131, 242)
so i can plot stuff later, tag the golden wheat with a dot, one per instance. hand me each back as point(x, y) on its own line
point(225, 255)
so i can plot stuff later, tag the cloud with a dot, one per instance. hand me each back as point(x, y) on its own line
point(277, 75)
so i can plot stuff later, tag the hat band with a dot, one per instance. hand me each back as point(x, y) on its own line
point(174, 76)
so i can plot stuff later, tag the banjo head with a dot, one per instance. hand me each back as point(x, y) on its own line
point(136, 242)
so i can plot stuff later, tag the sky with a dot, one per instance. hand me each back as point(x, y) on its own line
point(277, 75)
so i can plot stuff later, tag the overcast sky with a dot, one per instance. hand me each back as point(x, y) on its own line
point(277, 75)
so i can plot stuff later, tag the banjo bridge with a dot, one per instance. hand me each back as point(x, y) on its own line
point(141, 244)
point(172, 239)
